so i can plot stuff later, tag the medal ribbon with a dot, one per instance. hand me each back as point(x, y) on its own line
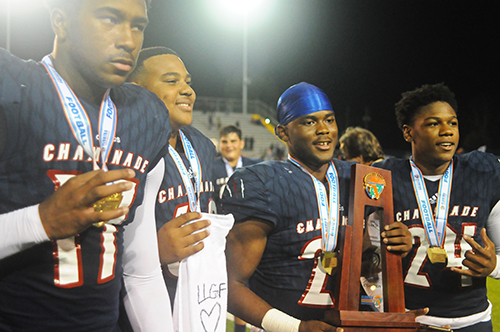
point(434, 229)
point(328, 207)
point(79, 121)
point(193, 194)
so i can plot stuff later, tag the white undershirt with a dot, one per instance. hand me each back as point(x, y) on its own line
point(229, 168)
point(147, 301)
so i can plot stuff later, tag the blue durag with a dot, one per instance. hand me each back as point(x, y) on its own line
point(299, 100)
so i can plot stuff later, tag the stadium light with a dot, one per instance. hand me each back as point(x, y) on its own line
point(15, 10)
point(236, 11)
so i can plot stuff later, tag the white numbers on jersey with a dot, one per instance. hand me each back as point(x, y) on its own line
point(68, 267)
point(316, 293)
point(455, 247)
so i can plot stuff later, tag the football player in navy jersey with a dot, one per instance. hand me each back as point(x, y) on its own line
point(230, 146)
point(450, 204)
point(61, 266)
point(187, 188)
point(277, 242)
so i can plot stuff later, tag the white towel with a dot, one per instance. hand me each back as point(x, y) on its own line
point(201, 298)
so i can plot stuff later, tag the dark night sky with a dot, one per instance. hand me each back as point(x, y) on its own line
point(362, 53)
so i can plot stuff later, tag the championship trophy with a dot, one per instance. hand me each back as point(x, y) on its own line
point(369, 294)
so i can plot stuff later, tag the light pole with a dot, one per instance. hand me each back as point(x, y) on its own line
point(7, 30)
point(237, 11)
point(244, 99)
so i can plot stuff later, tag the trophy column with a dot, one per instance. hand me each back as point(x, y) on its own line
point(364, 263)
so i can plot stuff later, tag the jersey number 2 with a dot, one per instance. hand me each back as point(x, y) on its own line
point(316, 294)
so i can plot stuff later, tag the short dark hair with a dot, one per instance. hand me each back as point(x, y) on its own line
point(66, 4)
point(230, 129)
point(145, 54)
point(51, 4)
point(357, 141)
point(413, 101)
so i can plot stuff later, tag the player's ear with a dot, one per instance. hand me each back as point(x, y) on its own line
point(407, 133)
point(60, 23)
point(282, 132)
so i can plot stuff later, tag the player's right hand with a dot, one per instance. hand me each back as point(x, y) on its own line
point(70, 209)
point(318, 326)
point(419, 312)
point(176, 240)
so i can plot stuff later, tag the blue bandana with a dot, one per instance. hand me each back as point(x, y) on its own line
point(299, 100)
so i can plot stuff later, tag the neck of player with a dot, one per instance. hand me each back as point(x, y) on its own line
point(173, 138)
point(428, 168)
point(89, 91)
point(318, 171)
point(233, 162)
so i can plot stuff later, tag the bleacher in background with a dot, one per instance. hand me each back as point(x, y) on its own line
point(258, 124)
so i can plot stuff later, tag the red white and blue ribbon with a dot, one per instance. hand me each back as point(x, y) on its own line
point(79, 121)
point(328, 205)
point(193, 193)
point(435, 229)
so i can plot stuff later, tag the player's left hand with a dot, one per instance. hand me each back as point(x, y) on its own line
point(481, 261)
point(397, 238)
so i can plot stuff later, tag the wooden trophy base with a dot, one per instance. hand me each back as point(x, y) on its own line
point(367, 321)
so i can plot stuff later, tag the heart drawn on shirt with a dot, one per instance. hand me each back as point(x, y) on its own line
point(210, 321)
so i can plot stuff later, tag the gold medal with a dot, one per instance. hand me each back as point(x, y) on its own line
point(437, 255)
point(112, 202)
point(329, 262)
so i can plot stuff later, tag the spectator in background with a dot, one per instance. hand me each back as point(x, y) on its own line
point(269, 153)
point(230, 146)
point(210, 121)
point(359, 144)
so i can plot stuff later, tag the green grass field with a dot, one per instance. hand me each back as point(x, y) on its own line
point(493, 295)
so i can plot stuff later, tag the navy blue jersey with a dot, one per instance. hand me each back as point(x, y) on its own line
point(220, 172)
point(71, 284)
point(287, 277)
point(475, 190)
point(172, 197)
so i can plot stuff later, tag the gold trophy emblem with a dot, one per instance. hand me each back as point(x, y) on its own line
point(374, 184)
point(112, 202)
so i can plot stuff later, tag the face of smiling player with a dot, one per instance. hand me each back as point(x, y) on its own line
point(434, 137)
point(311, 139)
point(168, 78)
